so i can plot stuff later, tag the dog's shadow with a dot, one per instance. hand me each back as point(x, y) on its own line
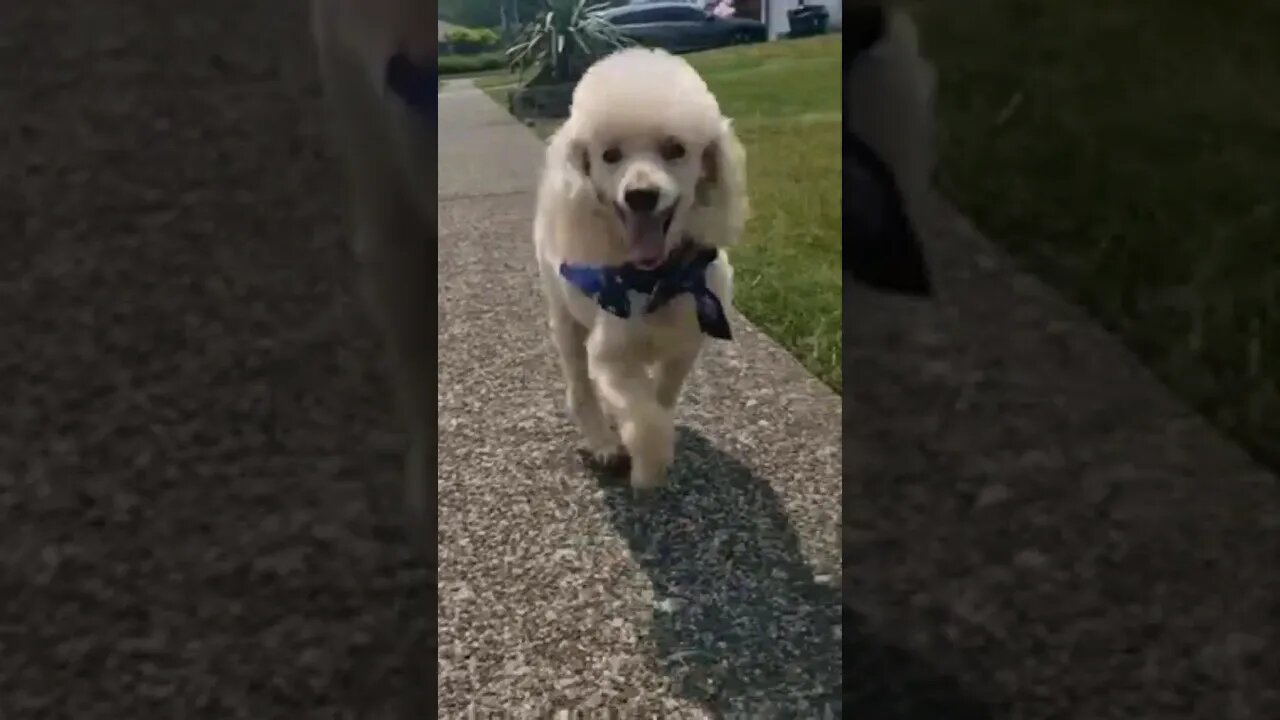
point(740, 623)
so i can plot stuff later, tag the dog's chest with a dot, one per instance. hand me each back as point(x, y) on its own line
point(648, 334)
point(656, 335)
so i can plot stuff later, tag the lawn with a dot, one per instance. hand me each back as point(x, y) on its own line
point(785, 100)
point(497, 81)
point(1130, 154)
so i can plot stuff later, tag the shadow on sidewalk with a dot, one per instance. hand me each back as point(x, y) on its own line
point(740, 623)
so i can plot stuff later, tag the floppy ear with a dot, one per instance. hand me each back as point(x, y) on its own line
point(568, 157)
point(722, 187)
point(579, 158)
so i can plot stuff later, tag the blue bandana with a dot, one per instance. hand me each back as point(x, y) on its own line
point(685, 271)
point(415, 84)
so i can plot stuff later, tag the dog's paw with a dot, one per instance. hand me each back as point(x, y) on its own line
point(611, 459)
point(648, 477)
point(651, 441)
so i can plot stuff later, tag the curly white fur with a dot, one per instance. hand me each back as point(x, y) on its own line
point(640, 120)
point(384, 149)
point(889, 96)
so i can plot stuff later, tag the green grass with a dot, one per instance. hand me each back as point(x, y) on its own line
point(1129, 152)
point(500, 80)
point(785, 100)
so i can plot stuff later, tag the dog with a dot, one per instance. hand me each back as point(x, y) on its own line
point(642, 190)
point(376, 59)
point(888, 149)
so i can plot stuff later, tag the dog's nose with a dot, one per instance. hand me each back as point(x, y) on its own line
point(641, 200)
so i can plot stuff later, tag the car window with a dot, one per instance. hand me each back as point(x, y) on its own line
point(683, 14)
point(635, 17)
point(673, 14)
point(686, 13)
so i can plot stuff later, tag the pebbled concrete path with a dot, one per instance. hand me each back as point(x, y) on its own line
point(556, 590)
point(1035, 523)
point(195, 431)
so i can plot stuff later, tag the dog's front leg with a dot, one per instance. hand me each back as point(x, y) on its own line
point(570, 339)
point(393, 256)
point(647, 427)
point(670, 374)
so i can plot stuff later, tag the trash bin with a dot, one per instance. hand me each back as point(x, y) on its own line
point(808, 20)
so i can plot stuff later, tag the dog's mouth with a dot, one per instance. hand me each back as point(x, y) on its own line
point(647, 235)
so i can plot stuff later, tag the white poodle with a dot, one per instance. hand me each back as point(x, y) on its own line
point(643, 188)
point(377, 62)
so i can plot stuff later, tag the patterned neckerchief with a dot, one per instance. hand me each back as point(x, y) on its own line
point(684, 271)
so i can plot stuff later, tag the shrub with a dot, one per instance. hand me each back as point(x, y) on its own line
point(466, 64)
point(471, 41)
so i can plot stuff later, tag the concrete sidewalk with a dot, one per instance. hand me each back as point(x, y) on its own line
point(197, 444)
point(556, 591)
point(1035, 519)
point(1034, 526)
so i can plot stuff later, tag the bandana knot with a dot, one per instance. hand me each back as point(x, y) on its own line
point(684, 271)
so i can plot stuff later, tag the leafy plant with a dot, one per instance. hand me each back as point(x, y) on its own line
point(470, 41)
point(564, 39)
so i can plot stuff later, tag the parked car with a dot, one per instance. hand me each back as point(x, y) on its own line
point(681, 27)
point(633, 3)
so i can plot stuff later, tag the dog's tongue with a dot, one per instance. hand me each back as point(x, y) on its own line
point(648, 240)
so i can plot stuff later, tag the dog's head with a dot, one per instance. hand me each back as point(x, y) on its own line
point(646, 143)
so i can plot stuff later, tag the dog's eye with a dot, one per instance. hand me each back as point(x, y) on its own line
point(672, 150)
point(612, 155)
